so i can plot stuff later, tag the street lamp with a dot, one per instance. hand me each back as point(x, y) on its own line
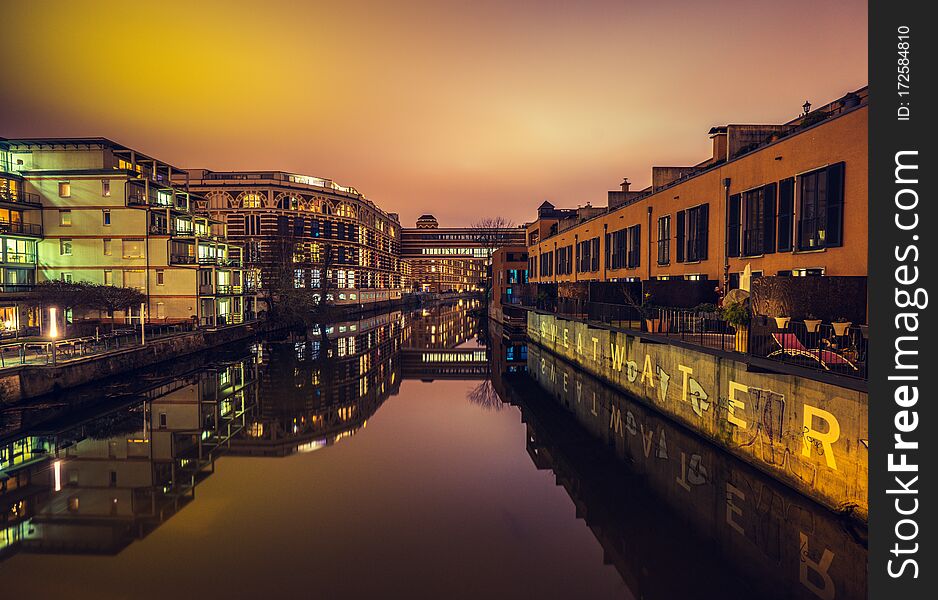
point(806, 106)
point(53, 329)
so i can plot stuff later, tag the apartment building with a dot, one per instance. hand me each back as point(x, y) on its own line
point(786, 199)
point(111, 215)
point(20, 231)
point(452, 259)
point(327, 236)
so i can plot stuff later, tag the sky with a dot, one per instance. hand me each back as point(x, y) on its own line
point(459, 109)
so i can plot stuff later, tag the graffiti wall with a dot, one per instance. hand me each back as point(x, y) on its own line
point(774, 537)
point(810, 434)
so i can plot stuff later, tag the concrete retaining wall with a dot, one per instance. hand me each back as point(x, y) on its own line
point(29, 381)
point(811, 435)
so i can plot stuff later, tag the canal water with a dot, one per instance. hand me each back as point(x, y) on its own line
point(403, 455)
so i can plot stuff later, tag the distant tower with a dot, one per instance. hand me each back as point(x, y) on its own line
point(427, 222)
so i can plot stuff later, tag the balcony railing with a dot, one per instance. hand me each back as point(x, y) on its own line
point(21, 228)
point(219, 261)
point(182, 259)
point(19, 197)
point(228, 290)
point(812, 233)
point(838, 349)
point(12, 288)
point(19, 258)
point(753, 242)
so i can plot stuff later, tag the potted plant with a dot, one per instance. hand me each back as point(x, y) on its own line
point(782, 322)
point(841, 325)
point(811, 323)
point(650, 314)
point(737, 314)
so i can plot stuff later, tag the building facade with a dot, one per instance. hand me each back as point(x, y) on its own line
point(112, 216)
point(452, 259)
point(20, 232)
point(310, 230)
point(786, 200)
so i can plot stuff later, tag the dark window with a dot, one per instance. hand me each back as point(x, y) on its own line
point(681, 222)
point(786, 213)
point(759, 213)
point(734, 227)
point(692, 233)
point(299, 226)
point(769, 217)
point(635, 246)
point(664, 240)
point(821, 204)
point(588, 255)
point(619, 248)
point(283, 225)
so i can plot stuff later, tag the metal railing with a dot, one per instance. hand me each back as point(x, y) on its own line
point(829, 347)
point(19, 227)
point(20, 197)
point(12, 288)
point(824, 347)
point(811, 233)
point(753, 242)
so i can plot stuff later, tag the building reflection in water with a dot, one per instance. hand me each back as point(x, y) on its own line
point(677, 517)
point(96, 482)
point(321, 387)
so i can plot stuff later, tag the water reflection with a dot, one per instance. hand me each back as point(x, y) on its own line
point(666, 515)
point(95, 481)
point(676, 516)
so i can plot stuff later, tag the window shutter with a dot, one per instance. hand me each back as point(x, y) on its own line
point(703, 231)
point(768, 212)
point(835, 205)
point(679, 235)
point(732, 239)
point(786, 212)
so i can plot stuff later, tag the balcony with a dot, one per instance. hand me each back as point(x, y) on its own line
point(13, 288)
point(228, 290)
point(20, 228)
point(182, 259)
point(20, 197)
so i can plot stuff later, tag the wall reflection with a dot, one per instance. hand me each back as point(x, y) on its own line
point(677, 517)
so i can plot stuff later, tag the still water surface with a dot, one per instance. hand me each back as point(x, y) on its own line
point(408, 455)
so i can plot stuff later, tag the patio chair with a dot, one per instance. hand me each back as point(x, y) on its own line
point(790, 344)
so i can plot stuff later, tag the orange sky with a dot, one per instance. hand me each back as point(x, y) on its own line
point(461, 109)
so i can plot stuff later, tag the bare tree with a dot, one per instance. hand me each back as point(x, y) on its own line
point(486, 396)
point(491, 233)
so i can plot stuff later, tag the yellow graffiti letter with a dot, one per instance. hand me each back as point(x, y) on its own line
point(825, 439)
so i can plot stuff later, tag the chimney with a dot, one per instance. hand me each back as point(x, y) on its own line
point(625, 184)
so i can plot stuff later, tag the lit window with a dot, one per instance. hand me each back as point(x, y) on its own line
point(105, 187)
point(65, 247)
point(251, 200)
point(133, 248)
point(65, 189)
point(109, 277)
point(65, 218)
point(108, 250)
